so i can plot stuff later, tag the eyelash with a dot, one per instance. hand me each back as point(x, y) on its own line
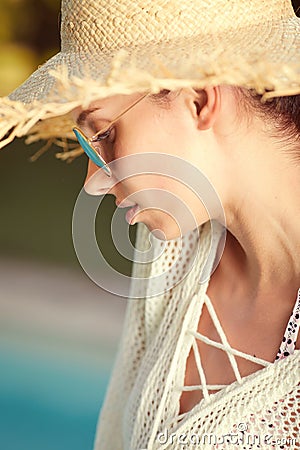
point(104, 135)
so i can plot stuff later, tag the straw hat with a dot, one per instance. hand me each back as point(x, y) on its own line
point(119, 47)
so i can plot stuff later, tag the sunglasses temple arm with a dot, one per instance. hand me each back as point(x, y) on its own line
point(118, 116)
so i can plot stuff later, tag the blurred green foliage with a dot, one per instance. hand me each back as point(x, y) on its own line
point(37, 199)
point(29, 35)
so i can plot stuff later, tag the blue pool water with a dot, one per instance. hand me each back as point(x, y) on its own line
point(48, 402)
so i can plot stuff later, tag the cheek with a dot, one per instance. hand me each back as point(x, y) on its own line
point(118, 151)
point(142, 183)
point(175, 209)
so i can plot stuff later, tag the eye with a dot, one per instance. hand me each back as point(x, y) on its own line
point(107, 134)
point(104, 144)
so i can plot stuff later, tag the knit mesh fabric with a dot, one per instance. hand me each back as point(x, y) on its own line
point(141, 409)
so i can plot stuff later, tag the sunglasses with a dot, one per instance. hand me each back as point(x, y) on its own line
point(87, 143)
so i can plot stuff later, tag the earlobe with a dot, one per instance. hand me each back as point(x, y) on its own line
point(204, 113)
point(204, 104)
point(210, 109)
point(205, 119)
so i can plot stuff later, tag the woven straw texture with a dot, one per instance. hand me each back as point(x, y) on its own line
point(148, 377)
point(111, 47)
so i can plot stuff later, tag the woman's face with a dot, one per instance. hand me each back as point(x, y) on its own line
point(167, 206)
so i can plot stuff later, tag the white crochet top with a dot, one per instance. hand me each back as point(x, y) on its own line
point(141, 409)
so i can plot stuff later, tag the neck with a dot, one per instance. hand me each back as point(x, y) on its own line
point(263, 243)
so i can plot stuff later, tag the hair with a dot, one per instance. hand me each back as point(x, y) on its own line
point(282, 113)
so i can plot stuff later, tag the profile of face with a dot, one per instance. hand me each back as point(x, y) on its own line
point(156, 151)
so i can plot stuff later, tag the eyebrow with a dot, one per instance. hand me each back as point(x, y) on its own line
point(84, 114)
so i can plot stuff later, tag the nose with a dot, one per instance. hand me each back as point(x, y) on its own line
point(97, 182)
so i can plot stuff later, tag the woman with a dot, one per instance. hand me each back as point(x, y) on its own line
point(196, 365)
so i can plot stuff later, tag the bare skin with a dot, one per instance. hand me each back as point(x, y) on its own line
point(254, 325)
point(255, 285)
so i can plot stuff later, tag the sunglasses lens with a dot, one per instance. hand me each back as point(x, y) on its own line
point(90, 151)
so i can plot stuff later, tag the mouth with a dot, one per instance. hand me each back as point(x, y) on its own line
point(124, 203)
point(131, 214)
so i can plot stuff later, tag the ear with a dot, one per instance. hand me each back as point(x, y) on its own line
point(207, 106)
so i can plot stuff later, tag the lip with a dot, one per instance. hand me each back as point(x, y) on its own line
point(124, 203)
point(131, 214)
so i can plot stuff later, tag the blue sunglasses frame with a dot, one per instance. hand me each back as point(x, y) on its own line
point(91, 152)
point(86, 143)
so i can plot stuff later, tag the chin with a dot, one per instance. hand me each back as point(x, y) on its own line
point(163, 226)
point(162, 230)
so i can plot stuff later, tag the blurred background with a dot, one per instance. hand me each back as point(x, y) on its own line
point(58, 330)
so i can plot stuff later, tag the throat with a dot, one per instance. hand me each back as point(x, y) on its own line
point(250, 278)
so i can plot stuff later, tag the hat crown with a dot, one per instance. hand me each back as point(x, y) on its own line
point(108, 25)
